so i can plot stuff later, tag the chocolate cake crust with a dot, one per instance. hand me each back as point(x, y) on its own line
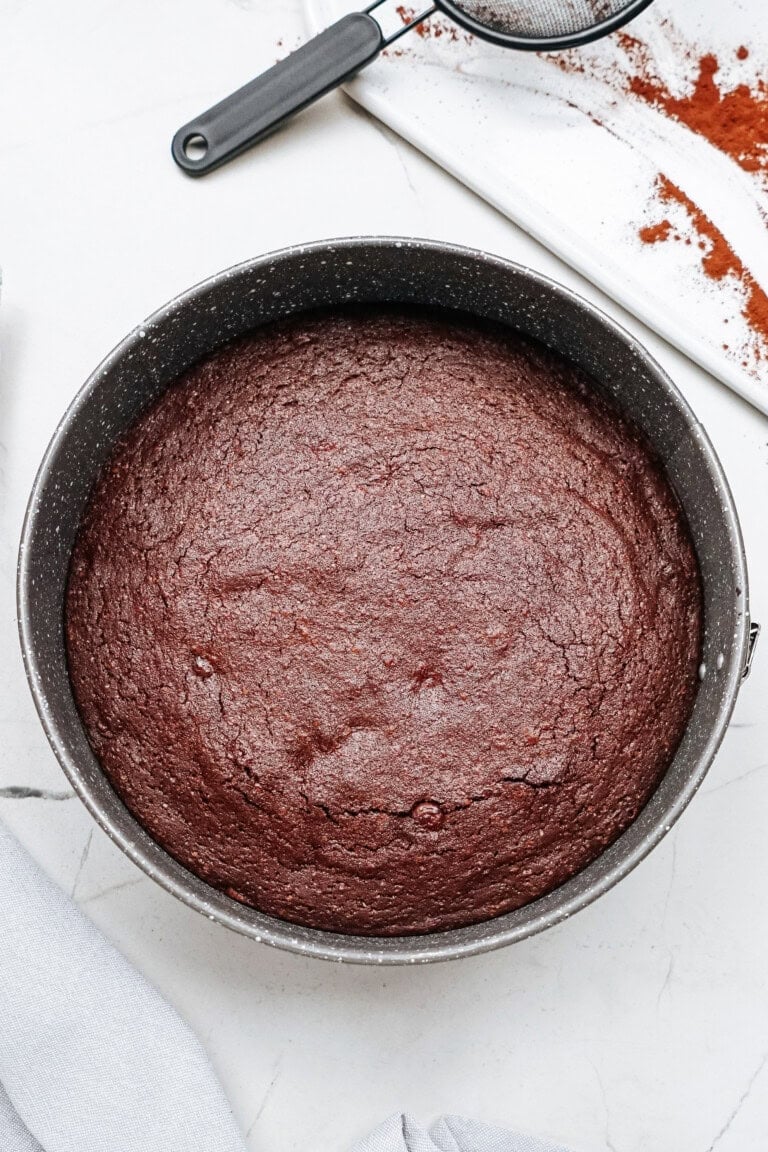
point(383, 624)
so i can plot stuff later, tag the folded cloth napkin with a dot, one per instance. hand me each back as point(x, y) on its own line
point(93, 1059)
point(450, 1134)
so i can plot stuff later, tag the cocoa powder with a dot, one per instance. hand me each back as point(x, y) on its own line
point(718, 259)
point(735, 121)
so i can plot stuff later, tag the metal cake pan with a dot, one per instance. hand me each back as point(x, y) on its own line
point(408, 272)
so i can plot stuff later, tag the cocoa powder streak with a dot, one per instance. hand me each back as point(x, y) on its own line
point(718, 257)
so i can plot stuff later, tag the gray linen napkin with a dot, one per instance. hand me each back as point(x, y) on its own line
point(450, 1134)
point(93, 1059)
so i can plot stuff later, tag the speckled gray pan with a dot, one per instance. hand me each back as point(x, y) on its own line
point(406, 271)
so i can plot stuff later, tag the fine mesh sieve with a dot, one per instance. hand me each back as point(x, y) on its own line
point(542, 20)
point(334, 56)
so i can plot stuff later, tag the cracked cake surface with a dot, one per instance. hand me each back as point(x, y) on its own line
point(383, 623)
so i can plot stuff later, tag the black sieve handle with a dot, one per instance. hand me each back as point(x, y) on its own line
point(257, 109)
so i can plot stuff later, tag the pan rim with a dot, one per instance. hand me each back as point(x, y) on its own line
point(445, 945)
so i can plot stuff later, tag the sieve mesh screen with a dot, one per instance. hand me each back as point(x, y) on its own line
point(544, 19)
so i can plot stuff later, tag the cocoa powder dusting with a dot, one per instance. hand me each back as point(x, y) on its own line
point(431, 30)
point(734, 121)
point(653, 233)
point(718, 257)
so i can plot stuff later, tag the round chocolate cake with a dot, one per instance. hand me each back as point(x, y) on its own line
point(384, 624)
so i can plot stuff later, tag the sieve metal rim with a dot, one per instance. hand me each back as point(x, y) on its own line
point(542, 43)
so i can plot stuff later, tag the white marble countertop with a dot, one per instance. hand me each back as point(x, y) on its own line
point(637, 1026)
